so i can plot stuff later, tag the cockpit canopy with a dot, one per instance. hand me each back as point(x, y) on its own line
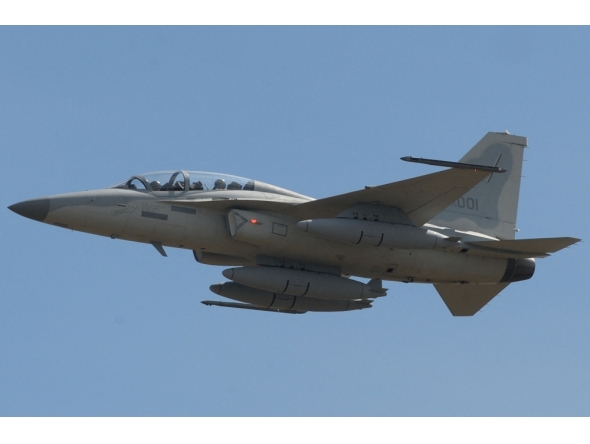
point(181, 181)
point(185, 180)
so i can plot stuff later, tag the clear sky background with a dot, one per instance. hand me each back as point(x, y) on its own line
point(92, 326)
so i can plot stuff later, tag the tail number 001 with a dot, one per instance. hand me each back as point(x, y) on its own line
point(470, 203)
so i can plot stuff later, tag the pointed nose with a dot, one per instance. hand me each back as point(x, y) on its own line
point(36, 209)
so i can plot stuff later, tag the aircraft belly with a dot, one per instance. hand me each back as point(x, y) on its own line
point(207, 231)
point(426, 266)
point(440, 266)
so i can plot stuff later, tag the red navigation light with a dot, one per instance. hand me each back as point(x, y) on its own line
point(253, 221)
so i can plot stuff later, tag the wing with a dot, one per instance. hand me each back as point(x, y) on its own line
point(421, 198)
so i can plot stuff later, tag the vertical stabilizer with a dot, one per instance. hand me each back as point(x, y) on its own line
point(490, 207)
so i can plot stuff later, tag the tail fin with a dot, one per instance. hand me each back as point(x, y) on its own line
point(490, 207)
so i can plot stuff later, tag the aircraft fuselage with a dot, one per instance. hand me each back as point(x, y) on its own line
point(144, 217)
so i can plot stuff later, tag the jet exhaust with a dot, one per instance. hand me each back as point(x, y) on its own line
point(518, 270)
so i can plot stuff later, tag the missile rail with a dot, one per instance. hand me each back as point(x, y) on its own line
point(249, 307)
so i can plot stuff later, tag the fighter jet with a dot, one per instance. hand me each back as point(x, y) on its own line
point(290, 253)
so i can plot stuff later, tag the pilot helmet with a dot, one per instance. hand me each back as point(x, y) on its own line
point(156, 185)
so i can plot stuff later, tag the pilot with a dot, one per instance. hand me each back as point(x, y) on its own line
point(219, 184)
point(234, 186)
point(179, 186)
point(156, 185)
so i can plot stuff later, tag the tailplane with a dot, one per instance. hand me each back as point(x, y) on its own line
point(491, 206)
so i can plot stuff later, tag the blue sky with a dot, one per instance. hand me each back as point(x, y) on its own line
point(91, 326)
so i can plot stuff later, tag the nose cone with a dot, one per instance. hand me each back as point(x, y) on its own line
point(36, 209)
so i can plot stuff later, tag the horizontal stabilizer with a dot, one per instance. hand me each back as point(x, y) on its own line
point(249, 307)
point(540, 247)
point(466, 300)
